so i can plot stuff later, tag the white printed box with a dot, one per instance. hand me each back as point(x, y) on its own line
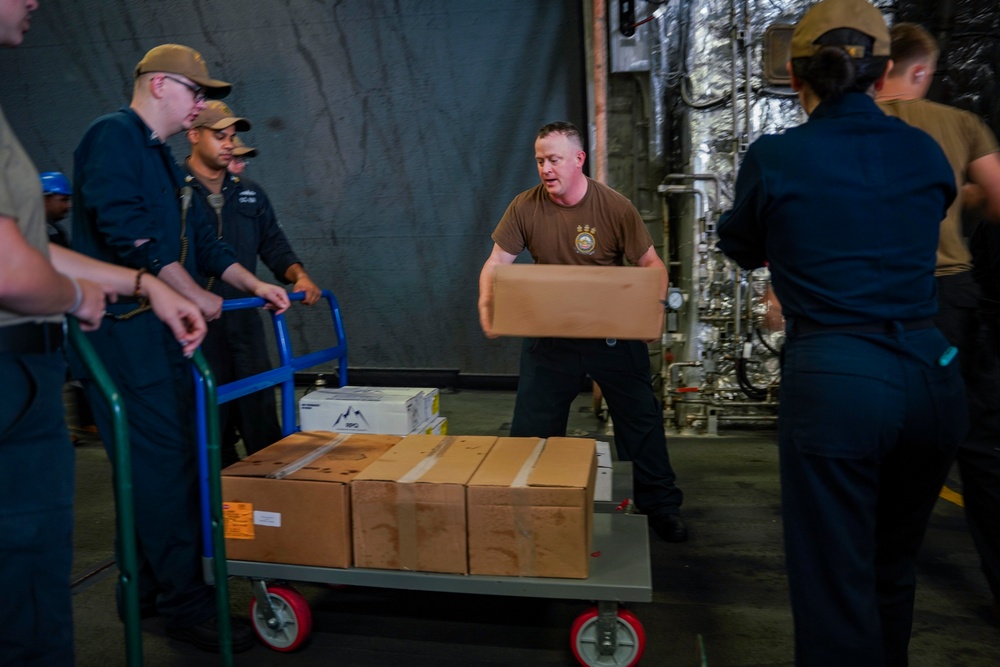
point(360, 410)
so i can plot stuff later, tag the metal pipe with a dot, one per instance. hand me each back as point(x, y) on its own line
point(600, 36)
point(659, 64)
point(733, 90)
point(747, 90)
point(699, 177)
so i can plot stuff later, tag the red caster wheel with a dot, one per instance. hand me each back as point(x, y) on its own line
point(292, 620)
point(621, 647)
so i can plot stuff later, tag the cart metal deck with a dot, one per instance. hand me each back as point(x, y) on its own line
point(604, 635)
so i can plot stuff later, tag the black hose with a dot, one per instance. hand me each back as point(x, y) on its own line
point(755, 393)
point(763, 341)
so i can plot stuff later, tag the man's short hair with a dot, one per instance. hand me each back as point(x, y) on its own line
point(562, 127)
point(912, 42)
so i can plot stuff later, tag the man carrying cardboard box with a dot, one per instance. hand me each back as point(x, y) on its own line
point(572, 219)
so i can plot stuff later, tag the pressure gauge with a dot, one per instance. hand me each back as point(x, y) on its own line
point(675, 299)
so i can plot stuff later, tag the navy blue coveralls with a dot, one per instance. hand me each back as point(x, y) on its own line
point(846, 210)
point(236, 346)
point(127, 188)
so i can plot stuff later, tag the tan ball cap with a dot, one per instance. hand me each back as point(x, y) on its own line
point(829, 15)
point(218, 116)
point(183, 60)
point(242, 150)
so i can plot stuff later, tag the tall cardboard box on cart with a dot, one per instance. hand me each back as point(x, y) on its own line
point(531, 508)
point(408, 508)
point(290, 502)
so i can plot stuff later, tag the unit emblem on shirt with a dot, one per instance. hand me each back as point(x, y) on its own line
point(586, 242)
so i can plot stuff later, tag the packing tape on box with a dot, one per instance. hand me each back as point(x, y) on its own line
point(428, 462)
point(523, 514)
point(406, 503)
point(302, 462)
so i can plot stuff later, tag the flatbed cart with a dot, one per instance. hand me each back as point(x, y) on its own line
point(604, 635)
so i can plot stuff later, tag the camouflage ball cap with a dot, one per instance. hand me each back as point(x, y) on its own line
point(183, 60)
point(829, 15)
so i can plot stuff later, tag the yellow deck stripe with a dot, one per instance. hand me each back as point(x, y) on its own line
point(952, 496)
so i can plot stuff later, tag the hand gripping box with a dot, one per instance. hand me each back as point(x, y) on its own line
point(409, 506)
point(548, 300)
point(531, 508)
point(290, 502)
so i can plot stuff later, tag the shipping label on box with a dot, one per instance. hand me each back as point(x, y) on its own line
point(290, 502)
point(530, 508)
point(408, 508)
point(360, 410)
point(605, 470)
point(547, 300)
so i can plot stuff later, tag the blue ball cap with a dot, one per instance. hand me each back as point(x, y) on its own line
point(55, 183)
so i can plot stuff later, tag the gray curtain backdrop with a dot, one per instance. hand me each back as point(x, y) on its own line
point(392, 136)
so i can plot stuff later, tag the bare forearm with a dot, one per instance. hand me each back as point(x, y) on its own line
point(178, 278)
point(237, 276)
point(117, 279)
point(651, 260)
point(295, 272)
point(29, 283)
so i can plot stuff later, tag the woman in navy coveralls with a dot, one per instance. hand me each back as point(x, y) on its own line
point(845, 209)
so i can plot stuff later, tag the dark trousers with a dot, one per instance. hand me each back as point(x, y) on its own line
point(552, 370)
point(155, 382)
point(961, 321)
point(36, 513)
point(868, 427)
point(235, 348)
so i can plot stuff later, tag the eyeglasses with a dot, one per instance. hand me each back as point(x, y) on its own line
point(197, 91)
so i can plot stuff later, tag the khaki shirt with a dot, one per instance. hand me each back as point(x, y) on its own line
point(964, 138)
point(21, 199)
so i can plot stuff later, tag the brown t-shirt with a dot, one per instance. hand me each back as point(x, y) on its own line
point(964, 138)
point(602, 229)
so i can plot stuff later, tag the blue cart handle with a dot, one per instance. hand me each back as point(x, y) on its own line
point(283, 375)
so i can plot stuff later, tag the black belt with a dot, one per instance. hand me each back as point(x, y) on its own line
point(31, 338)
point(802, 326)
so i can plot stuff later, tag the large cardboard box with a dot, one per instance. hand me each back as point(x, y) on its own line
point(361, 410)
point(290, 502)
point(530, 508)
point(409, 506)
point(547, 300)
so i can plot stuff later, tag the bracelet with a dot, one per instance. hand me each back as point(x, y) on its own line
point(138, 286)
point(78, 298)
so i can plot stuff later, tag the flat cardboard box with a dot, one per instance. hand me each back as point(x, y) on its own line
point(530, 508)
point(360, 410)
point(547, 300)
point(408, 507)
point(290, 502)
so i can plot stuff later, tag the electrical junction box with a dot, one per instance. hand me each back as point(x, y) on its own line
point(777, 46)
